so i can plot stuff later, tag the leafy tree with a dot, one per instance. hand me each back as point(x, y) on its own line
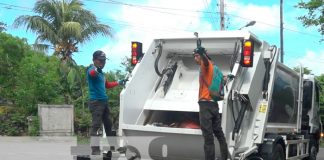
point(306, 70)
point(315, 15)
point(126, 63)
point(2, 27)
point(114, 93)
point(38, 82)
point(63, 25)
point(12, 51)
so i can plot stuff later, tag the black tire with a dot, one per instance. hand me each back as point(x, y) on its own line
point(278, 152)
point(313, 148)
point(132, 153)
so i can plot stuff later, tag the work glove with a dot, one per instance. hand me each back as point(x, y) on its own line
point(122, 82)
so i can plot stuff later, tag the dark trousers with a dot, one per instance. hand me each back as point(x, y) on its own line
point(100, 114)
point(210, 123)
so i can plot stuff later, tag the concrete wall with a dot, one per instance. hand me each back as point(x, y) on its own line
point(56, 120)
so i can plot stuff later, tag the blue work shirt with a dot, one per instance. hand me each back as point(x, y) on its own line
point(96, 84)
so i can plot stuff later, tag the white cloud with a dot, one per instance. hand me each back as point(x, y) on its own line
point(145, 24)
point(267, 17)
point(312, 60)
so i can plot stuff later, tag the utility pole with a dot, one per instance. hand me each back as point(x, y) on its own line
point(222, 18)
point(281, 32)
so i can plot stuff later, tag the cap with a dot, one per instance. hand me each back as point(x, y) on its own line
point(99, 55)
point(199, 50)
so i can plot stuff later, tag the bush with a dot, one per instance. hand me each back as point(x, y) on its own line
point(33, 126)
point(13, 122)
point(82, 121)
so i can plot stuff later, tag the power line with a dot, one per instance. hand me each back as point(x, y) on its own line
point(153, 8)
point(199, 11)
point(11, 5)
point(275, 26)
point(15, 7)
point(124, 23)
point(145, 6)
point(210, 15)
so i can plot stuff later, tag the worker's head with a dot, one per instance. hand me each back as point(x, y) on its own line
point(99, 59)
point(197, 58)
point(198, 53)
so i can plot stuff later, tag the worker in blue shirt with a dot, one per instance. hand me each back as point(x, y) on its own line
point(98, 99)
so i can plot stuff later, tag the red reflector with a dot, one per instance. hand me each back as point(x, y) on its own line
point(134, 60)
point(247, 53)
point(247, 62)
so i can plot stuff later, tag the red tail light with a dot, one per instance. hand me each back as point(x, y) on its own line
point(136, 52)
point(247, 54)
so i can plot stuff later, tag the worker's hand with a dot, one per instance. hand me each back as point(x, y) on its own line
point(200, 50)
point(122, 82)
point(99, 70)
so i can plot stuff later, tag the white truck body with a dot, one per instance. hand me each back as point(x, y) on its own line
point(148, 106)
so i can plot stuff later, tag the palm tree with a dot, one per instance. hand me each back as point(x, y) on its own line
point(62, 25)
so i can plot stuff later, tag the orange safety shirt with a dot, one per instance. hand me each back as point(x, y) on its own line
point(205, 79)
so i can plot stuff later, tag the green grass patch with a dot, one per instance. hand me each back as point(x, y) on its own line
point(83, 140)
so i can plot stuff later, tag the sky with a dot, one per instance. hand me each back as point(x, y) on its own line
point(145, 20)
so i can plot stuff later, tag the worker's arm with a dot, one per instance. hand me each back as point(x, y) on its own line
point(111, 84)
point(121, 82)
point(205, 60)
point(94, 72)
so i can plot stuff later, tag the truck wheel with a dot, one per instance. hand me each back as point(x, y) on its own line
point(278, 152)
point(312, 149)
point(313, 153)
point(132, 153)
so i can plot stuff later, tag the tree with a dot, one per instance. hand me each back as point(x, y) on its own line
point(306, 70)
point(38, 82)
point(63, 25)
point(12, 51)
point(315, 15)
point(126, 63)
point(2, 27)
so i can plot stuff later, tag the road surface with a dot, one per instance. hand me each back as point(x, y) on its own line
point(40, 148)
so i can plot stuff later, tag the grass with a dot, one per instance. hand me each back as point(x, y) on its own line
point(83, 140)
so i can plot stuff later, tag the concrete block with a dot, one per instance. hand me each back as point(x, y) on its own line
point(56, 120)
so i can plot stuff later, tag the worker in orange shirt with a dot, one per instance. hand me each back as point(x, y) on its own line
point(210, 121)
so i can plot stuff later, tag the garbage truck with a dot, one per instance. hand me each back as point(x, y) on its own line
point(269, 111)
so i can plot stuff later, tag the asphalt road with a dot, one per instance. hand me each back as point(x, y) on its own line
point(320, 155)
point(40, 148)
point(27, 148)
